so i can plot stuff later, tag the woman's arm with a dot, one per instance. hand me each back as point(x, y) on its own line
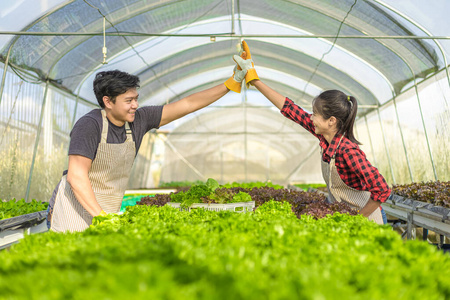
point(370, 207)
point(273, 96)
point(289, 109)
point(371, 178)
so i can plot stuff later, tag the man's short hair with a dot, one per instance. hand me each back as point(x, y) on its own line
point(113, 84)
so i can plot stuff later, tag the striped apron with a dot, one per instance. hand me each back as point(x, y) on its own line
point(339, 191)
point(108, 175)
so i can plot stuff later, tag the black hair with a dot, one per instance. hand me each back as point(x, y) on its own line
point(112, 84)
point(334, 103)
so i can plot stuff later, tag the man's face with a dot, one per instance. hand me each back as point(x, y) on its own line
point(124, 108)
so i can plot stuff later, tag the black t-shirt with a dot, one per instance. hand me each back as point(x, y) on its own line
point(86, 134)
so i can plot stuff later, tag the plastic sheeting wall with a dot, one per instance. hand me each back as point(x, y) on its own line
point(226, 151)
point(20, 113)
point(383, 141)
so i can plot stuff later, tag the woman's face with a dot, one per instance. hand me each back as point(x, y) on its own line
point(320, 124)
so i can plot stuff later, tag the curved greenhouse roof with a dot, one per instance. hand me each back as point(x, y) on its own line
point(391, 55)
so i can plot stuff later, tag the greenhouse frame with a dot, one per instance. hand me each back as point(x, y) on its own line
point(206, 192)
point(391, 55)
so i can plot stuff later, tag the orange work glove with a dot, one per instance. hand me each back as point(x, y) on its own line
point(251, 72)
point(234, 82)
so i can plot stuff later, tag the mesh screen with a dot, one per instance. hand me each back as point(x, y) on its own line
point(236, 144)
point(241, 138)
point(72, 58)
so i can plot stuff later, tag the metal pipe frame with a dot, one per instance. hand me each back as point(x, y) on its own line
point(401, 131)
point(416, 218)
point(174, 149)
point(16, 37)
point(70, 93)
point(329, 78)
point(386, 147)
point(353, 56)
point(314, 149)
point(403, 140)
point(409, 88)
point(244, 102)
point(27, 193)
point(424, 30)
point(196, 35)
point(415, 83)
point(5, 70)
point(356, 131)
point(420, 109)
point(148, 81)
point(74, 46)
point(425, 131)
point(370, 140)
point(390, 85)
point(36, 143)
point(274, 36)
point(76, 107)
point(229, 34)
point(421, 114)
point(151, 148)
point(232, 17)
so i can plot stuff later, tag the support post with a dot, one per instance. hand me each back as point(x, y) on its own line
point(36, 143)
point(425, 131)
point(232, 17)
point(5, 69)
point(409, 227)
point(441, 241)
point(244, 102)
point(386, 147)
point(403, 140)
point(370, 140)
point(425, 234)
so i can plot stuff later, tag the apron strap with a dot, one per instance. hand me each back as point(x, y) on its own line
point(332, 162)
point(105, 127)
point(128, 131)
point(335, 150)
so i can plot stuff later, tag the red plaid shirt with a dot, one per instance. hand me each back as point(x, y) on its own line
point(351, 162)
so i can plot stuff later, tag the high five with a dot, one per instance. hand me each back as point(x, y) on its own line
point(345, 169)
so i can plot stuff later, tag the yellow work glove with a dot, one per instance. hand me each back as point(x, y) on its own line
point(234, 82)
point(251, 72)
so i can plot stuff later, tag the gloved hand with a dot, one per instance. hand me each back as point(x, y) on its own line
point(234, 82)
point(251, 72)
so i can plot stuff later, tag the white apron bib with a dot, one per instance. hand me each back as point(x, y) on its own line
point(108, 175)
point(339, 191)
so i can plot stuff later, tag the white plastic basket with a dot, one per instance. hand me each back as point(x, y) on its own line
point(236, 207)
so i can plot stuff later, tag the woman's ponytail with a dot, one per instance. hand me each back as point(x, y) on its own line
point(347, 127)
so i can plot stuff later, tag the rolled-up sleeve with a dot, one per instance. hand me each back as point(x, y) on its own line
point(297, 114)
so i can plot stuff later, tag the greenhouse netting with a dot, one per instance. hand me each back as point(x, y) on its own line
point(391, 55)
point(318, 170)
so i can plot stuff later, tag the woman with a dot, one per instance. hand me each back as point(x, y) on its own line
point(348, 174)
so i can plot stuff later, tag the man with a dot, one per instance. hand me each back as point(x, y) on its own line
point(105, 141)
